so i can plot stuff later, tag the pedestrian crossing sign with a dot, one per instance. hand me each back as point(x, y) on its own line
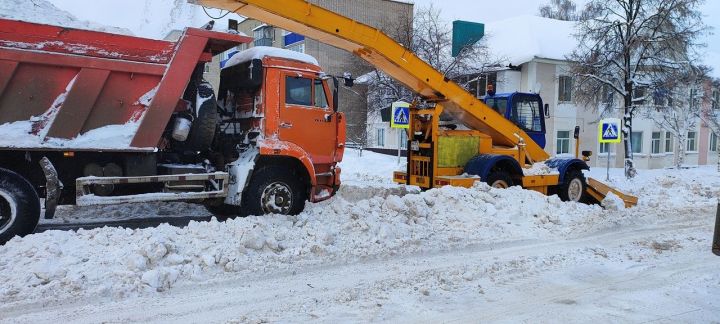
point(400, 115)
point(609, 131)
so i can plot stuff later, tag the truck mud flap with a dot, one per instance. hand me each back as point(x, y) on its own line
point(53, 187)
point(598, 191)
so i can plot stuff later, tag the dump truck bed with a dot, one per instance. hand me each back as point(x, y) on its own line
point(70, 89)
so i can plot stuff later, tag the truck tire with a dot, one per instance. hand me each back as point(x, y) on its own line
point(574, 187)
point(19, 206)
point(499, 179)
point(202, 131)
point(274, 190)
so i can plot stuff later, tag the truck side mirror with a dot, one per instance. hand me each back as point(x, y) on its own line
point(547, 110)
point(349, 81)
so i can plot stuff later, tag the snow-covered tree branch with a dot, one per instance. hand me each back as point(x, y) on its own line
point(627, 49)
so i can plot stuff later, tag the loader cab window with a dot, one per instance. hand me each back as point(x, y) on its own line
point(526, 113)
point(320, 96)
point(298, 91)
point(498, 104)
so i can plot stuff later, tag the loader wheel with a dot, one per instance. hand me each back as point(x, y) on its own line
point(274, 190)
point(574, 187)
point(499, 179)
point(202, 131)
point(19, 206)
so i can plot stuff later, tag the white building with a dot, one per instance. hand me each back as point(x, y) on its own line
point(534, 50)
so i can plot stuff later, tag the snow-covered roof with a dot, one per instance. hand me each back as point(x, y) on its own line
point(521, 39)
point(259, 52)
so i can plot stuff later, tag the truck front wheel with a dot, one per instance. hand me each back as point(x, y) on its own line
point(574, 187)
point(274, 190)
point(19, 206)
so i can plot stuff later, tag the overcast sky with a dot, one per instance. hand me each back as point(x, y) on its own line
point(126, 14)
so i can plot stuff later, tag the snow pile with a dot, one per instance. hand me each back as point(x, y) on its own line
point(539, 168)
point(667, 188)
point(260, 52)
point(43, 12)
point(113, 261)
point(368, 168)
point(362, 222)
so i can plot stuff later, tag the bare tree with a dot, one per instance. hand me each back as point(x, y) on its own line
point(430, 38)
point(627, 47)
point(560, 10)
point(678, 107)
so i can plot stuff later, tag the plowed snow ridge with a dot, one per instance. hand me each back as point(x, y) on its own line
point(367, 223)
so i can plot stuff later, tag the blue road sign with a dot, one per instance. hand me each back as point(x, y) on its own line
point(609, 131)
point(401, 115)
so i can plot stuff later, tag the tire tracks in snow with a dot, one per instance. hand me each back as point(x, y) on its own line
point(340, 292)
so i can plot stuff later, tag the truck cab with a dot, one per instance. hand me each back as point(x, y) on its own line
point(281, 103)
point(525, 110)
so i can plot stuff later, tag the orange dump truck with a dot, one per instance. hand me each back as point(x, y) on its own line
point(92, 118)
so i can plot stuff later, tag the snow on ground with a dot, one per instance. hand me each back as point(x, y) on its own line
point(381, 252)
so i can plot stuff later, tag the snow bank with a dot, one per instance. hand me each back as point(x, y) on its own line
point(260, 52)
point(362, 222)
point(370, 168)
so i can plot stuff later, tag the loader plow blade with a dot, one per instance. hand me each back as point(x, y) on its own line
point(599, 190)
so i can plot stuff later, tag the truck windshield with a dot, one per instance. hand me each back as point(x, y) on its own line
point(498, 104)
point(526, 113)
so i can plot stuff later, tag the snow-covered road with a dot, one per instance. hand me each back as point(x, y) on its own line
point(379, 252)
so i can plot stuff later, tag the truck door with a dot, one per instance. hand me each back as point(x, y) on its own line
point(527, 113)
point(306, 118)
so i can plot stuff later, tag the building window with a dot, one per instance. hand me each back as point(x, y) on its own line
point(206, 69)
point(565, 85)
point(300, 48)
point(669, 142)
point(639, 95)
point(636, 140)
point(381, 137)
point(403, 139)
point(563, 142)
point(713, 142)
point(264, 35)
point(608, 95)
point(655, 143)
point(692, 142)
point(604, 148)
